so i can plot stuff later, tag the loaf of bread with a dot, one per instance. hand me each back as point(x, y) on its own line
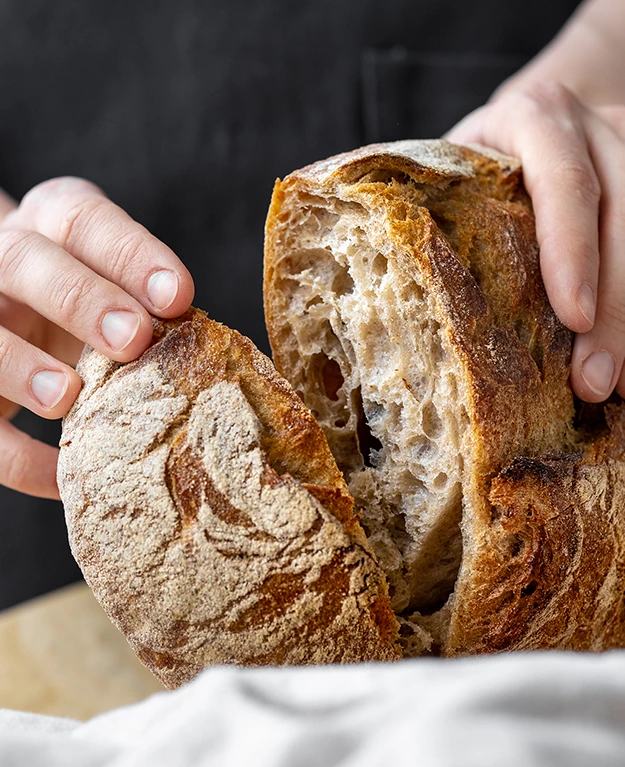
point(208, 515)
point(405, 306)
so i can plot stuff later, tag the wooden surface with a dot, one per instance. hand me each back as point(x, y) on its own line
point(60, 654)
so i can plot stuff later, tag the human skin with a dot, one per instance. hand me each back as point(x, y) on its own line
point(563, 115)
point(73, 267)
point(69, 256)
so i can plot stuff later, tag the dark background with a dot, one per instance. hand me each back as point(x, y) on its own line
point(185, 113)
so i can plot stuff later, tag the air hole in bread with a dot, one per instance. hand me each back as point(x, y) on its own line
point(368, 444)
point(590, 417)
point(332, 379)
point(517, 545)
point(529, 336)
point(528, 590)
point(308, 258)
point(379, 265)
point(384, 176)
point(537, 351)
point(342, 283)
point(323, 217)
point(410, 291)
point(431, 422)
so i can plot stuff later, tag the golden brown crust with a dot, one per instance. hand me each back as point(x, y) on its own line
point(208, 515)
point(461, 220)
point(551, 571)
point(474, 243)
point(213, 524)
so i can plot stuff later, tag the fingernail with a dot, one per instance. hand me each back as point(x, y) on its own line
point(49, 387)
point(586, 302)
point(119, 328)
point(162, 288)
point(597, 372)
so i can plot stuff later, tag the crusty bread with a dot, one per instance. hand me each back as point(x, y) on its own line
point(404, 303)
point(208, 515)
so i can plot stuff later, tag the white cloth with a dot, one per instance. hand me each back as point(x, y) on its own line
point(521, 710)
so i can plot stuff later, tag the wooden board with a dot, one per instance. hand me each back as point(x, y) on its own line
point(60, 654)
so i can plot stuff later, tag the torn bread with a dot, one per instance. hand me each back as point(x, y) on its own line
point(404, 303)
point(208, 515)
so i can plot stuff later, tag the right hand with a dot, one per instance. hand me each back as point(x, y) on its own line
point(74, 269)
point(573, 159)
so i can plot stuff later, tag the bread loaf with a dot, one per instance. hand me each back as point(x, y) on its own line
point(405, 306)
point(208, 515)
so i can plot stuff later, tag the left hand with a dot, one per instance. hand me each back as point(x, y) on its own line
point(574, 170)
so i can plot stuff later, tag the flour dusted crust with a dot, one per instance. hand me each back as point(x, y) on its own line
point(404, 303)
point(208, 515)
point(213, 513)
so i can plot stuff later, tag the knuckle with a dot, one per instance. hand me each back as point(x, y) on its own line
point(7, 352)
point(77, 219)
point(14, 245)
point(613, 314)
point(126, 250)
point(70, 294)
point(549, 95)
point(581, 178)
point(17, 467)
point(53, 187)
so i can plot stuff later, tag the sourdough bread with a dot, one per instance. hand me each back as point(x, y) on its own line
point(404, 303)
point(212, 512)
point(208, 515)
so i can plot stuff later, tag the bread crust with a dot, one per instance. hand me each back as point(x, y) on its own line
point(552, 561)
point(462, 220)
point(208, 515)
point(211, 521)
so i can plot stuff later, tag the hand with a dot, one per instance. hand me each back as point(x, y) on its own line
point(574, 170)
point(74, 269)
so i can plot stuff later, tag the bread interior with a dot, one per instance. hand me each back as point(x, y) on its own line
point(366, 353)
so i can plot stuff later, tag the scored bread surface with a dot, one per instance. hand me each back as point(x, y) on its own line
point(404, 303)
point(208, 515)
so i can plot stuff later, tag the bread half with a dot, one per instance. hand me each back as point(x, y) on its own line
point(208, 515)
point(405, 305)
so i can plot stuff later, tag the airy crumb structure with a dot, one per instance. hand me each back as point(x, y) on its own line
point(370, 358)
point(405, 305)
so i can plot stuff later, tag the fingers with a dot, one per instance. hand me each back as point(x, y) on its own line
point(544, 127)
point(76, 215)
point(34, 379)
point(27, 465)
point(42, 275)
point(72, 256)
point(598, 355)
